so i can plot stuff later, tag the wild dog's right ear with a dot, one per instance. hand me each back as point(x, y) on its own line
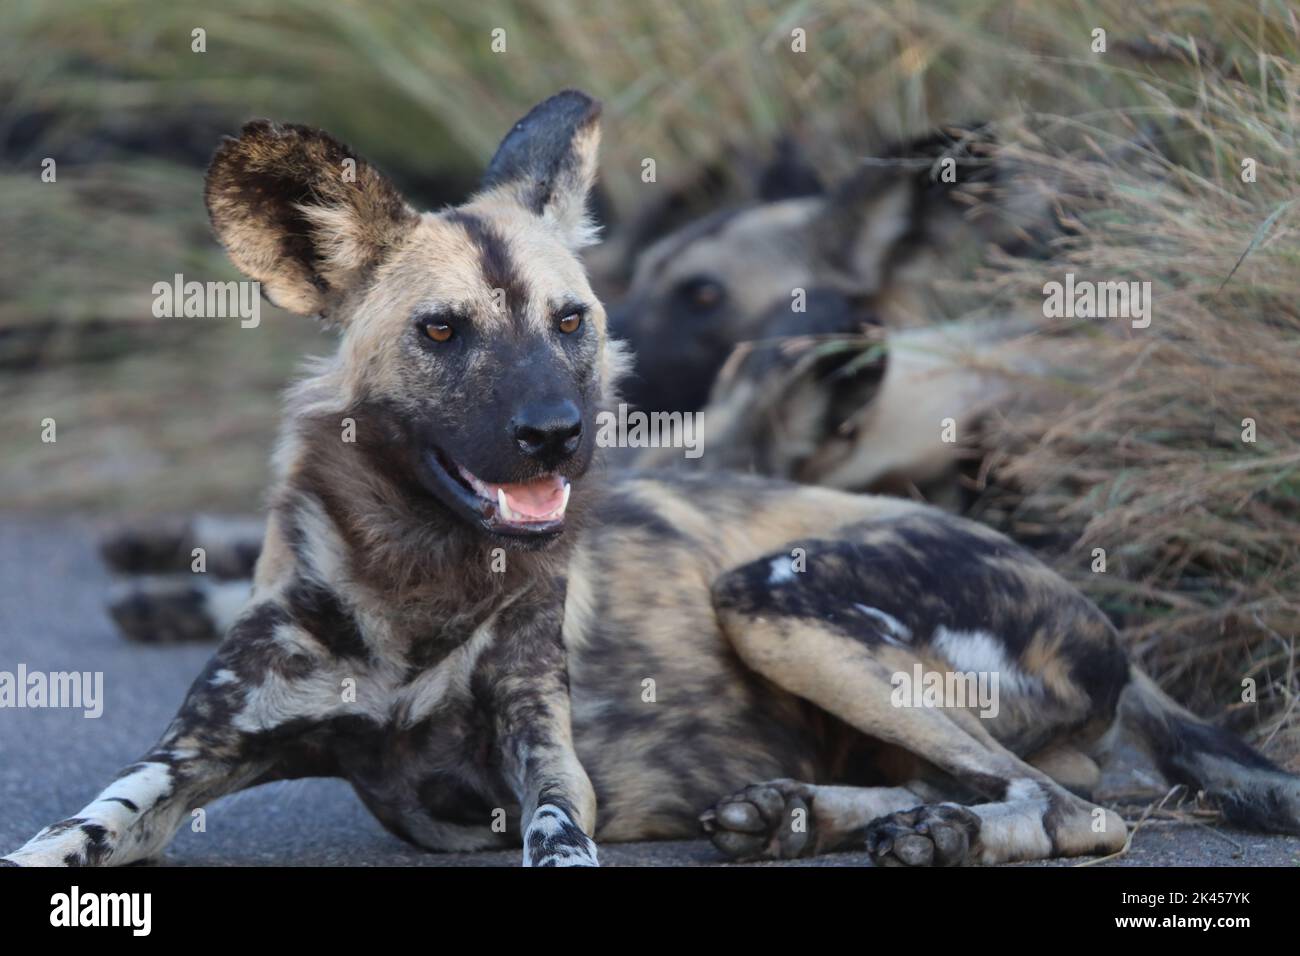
point(782, 403)
point(301, 213)
point(884, 210)
point(832, 368)
point(547, 163)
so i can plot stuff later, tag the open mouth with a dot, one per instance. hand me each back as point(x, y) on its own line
point(533, 508)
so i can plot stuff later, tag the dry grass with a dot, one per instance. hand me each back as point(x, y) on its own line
point(1147, 459)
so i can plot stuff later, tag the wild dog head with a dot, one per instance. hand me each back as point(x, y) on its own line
point(781, 402)
point(473, 350)
point(833, 397)
point(697, 293)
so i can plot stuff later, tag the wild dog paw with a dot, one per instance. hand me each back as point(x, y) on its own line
point(553, 839)
point(770, 820)
point(76, 841)
point(941, 834)
point(162, 611)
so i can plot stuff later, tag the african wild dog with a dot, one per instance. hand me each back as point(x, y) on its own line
point(816, 323)
point(386, 643)
point(828, 397)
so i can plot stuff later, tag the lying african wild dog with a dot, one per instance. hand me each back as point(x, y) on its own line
point(849, 388)
point(800, 404)
point(827, 397)
point(380, 645)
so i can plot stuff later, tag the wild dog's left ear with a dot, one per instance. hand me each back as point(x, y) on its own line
point(789, 175)
point(301, 213)
point(547, 163)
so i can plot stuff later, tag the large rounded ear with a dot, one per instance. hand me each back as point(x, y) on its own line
point(872, 218)
point(301, 213)
point(547, 164)
point(784, 399)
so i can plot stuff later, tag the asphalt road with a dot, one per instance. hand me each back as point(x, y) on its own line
point(52, 761)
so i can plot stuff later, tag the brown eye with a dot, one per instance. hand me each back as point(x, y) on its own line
point(706, 296)
point(438, 331)
point(700, 295)
point(569, 324)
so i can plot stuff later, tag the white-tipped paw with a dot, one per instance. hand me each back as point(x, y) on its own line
point(77, 841)
point(553, 839)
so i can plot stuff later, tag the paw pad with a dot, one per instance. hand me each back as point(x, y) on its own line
point(938, 835)
point(765, 821)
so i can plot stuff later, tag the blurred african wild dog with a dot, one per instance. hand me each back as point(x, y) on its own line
point(818, 328)
point(386, 643)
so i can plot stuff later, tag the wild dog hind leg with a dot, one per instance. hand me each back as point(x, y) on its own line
point(176, 608)
point(840, 633)
point(1028, 816)
point(184, 580)
point(788, 819)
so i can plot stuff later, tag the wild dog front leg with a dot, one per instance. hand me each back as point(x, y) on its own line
point(554, 837)
point(208, 751)
point(135, 816)
point(528, 674)
point(558, 803)
point(556, 796)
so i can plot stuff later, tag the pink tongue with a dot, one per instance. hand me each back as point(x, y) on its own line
point(534, 499)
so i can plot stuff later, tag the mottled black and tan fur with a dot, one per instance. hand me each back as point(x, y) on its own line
point(670, 651)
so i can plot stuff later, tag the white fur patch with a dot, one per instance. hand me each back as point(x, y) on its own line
point(326, 552)
point(1024, 789)
point(434, 687)
point(553, 839)
point(1013, 829)
point(143, 787)
point(981, 653)
point(782, 570)
point(226, 602)
point(897, 631)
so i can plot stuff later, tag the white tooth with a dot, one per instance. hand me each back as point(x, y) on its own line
point(503, 506)
point(564, 502)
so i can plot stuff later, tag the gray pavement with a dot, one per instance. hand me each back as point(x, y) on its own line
point(52, 594)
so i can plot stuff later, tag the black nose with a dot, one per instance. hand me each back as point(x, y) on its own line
point(548, 431)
